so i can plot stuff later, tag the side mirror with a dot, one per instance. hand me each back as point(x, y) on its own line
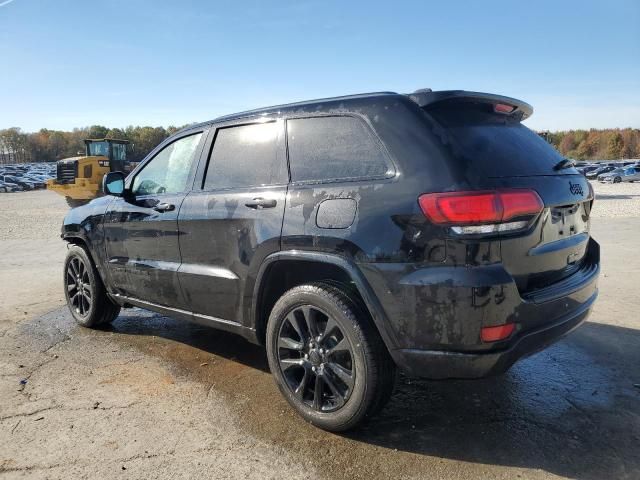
point(113, 184)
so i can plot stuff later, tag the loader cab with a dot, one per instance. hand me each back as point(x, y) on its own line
point(115, 150)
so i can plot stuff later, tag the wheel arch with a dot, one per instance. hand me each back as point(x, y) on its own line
point(284, 270)
point(83, 242)
point(80, 241)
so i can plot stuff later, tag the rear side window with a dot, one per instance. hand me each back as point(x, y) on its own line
point(329, 148)
point(246, 156)
point(494, 143)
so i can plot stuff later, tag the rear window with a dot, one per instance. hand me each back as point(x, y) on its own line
point(330, 148)
point(496, 144)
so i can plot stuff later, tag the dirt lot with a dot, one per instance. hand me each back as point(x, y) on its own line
point(150, 397)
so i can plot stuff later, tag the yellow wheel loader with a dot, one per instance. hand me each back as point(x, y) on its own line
point(79, 179)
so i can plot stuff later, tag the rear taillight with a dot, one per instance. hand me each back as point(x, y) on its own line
point(482, 212)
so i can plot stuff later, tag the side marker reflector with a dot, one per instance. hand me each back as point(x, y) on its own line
point(499, 332)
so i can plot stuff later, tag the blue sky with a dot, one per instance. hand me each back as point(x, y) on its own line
point(66, 63)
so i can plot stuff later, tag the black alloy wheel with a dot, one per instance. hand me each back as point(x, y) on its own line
point(86, 295)
point(79, 289)
point(316, 358)
point(327, 357)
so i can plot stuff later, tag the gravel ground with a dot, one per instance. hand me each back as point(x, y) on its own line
point(150, 397)
point(616, 200)
point(32, 253)
point(34, 215)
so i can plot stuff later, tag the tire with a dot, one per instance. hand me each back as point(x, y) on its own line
point(617, 180)
point(339, 375)
point(73, 203)
point(85, 293)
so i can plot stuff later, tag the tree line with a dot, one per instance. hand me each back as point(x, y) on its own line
point(50, 145)
point(607, 144)
point(46, 145)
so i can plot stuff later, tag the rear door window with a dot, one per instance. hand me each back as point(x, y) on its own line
point(494, 143)
point(331, 148)
point(247, 156)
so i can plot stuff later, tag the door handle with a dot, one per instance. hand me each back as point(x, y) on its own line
point(260, 202)
point(164, 207)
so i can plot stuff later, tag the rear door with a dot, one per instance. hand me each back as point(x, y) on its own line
point(233, 217)
point(503, 153)
point(142, 231)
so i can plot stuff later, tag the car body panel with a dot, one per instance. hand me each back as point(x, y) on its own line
point(142, 249)
point(222, 240)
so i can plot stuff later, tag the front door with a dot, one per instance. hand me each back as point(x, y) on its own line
point(141, 230)
point(233, 218)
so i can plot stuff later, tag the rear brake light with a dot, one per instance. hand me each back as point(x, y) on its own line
point(482, 212)
point(499, 332)
point(503, 108)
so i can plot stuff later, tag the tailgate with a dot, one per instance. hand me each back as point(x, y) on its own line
point(503, 153)
point(556, 246)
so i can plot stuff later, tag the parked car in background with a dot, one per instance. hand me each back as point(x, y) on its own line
point(37, 182)
point(593, 174)
point(26, 176)
point(613, 174)
point(25, 184)
point(587, 168)
point(627, 174)
point(11, 187)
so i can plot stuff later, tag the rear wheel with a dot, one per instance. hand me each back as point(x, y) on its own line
point(86, 296)
point(327, 357)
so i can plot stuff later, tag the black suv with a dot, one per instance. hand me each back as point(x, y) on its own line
point(431, 232)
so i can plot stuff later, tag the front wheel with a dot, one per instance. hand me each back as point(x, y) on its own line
point(86, 296)
point(617, 180)
point(327, 358)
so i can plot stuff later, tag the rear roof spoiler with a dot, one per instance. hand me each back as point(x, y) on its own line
point(426, 98)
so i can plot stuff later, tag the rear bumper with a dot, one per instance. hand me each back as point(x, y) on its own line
point(434, 316)
point(447, 364)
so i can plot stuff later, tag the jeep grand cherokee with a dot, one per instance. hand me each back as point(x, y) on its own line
point(351, 236)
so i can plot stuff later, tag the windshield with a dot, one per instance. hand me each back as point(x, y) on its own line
point(498, 145)
point(98, 148)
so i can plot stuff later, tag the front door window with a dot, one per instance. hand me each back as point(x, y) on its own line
point(168, 171)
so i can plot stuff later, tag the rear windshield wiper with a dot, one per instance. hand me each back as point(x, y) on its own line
point(564, 163)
